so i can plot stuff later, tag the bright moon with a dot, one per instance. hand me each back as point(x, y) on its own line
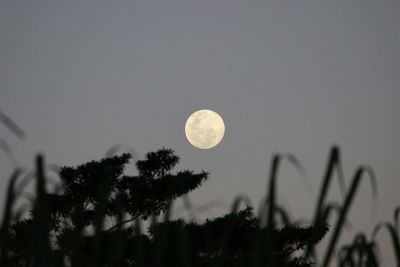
point(204, 129)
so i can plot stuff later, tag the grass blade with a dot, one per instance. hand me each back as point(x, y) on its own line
point(397, 218)
point(272, 188)
point(42, 251)
point(11, 125)
point(359, 174)
point(334, 163)
point(393, 235)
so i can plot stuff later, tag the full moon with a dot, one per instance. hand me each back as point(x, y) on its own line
point(204, 129)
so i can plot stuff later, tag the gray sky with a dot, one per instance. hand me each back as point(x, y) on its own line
point(286, 76)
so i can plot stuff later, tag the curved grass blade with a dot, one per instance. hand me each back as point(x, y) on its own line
point(272, 188)
point(329, 209)
point(360, 253)
point(333, 164)
point(113, 150)
point(239, 200)
point(4, 228)
point(8, 152)
point(26, 179)
point(271, 200)
point(10, 199)
point(284, 214)
point(11, 125)
point(359, 174)
point(393, 235)
point(397, 218)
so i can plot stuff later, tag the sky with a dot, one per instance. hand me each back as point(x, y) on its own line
point(286, 76)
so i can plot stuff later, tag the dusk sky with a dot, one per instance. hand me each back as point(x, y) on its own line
point(286, 76)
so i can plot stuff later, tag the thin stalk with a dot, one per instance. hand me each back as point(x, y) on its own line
point(359, 174)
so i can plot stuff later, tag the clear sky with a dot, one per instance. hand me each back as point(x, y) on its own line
point(286, 76)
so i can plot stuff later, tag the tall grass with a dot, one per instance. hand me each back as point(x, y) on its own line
point(394, 233)
point(348, 255)
point(16, 130)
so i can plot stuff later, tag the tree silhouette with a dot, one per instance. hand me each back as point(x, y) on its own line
point(95, 219)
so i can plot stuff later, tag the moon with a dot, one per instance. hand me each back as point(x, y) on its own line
point(204, 129)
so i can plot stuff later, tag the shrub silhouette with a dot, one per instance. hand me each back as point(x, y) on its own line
point(96, 216)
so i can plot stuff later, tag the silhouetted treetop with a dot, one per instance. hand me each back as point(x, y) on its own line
point(157, 164)
point(96, 217)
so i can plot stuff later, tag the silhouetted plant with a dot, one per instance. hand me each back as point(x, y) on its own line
point(16, 130)
point(361, 253)
point(394, 233)
point(96, 220)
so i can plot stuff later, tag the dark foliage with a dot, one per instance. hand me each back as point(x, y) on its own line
point(95, 219)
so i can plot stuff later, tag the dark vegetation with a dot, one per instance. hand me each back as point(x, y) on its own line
point(95, 215)
point(69, 226)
